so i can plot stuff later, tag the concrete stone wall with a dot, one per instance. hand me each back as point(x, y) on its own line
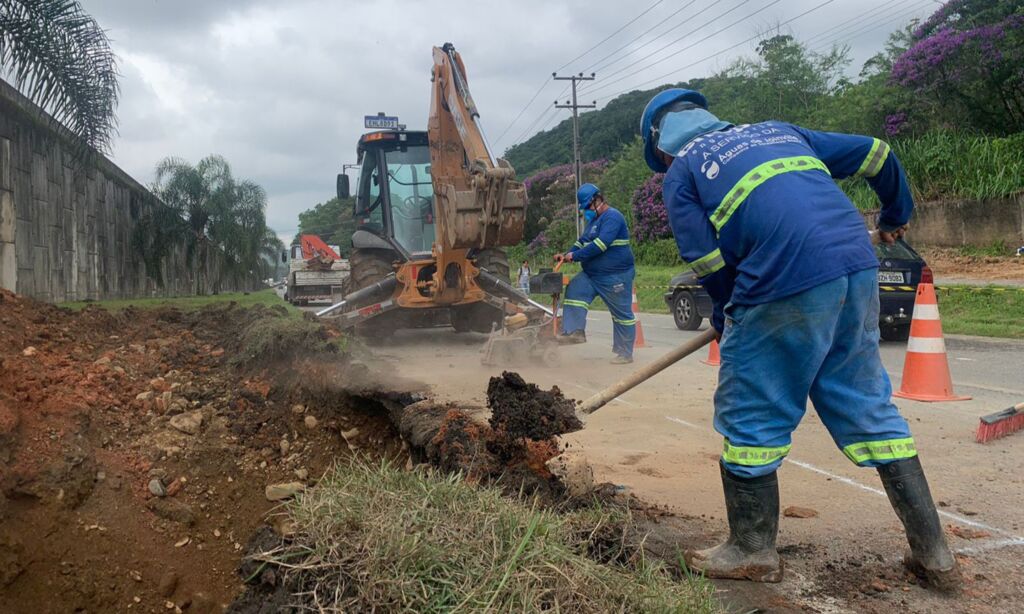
point(66, 228)
point(974, 223)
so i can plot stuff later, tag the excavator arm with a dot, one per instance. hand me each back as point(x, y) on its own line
point(479, 203)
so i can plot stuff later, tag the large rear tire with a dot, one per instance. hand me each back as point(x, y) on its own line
point(368, 267)
point(481, 317)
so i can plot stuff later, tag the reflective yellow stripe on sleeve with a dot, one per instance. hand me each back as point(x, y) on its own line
point(755, 177)
point(875, 159)
point(600, 244)
point(752, 456)
point(706, 265)
point(620, 242)
point(887, 449)
point(578, 244)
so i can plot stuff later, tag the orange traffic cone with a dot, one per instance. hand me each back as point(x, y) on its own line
point(714, 358)
point(639, 342)
point(925, 369)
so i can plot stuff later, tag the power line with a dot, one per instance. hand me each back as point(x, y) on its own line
point(638, 37)
point(664, 47)
point(693, 44)
point(548, 80)
point(523, 110)
point(842, 25)
point(873, 26)
point(713, 55)
point(543, 114)
point(605, 39)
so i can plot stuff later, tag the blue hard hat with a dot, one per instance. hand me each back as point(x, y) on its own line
point(586, 193)
point(659, 105)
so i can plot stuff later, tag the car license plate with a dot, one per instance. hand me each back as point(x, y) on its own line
point(890, 277)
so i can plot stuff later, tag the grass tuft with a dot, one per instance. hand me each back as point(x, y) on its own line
point(267, 298)
point(374, 537)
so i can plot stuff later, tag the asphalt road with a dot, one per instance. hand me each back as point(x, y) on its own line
point(657, 442)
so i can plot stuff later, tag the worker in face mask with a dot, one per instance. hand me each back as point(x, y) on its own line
point(607, 260)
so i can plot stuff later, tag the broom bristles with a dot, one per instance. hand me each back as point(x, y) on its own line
point(990, 428)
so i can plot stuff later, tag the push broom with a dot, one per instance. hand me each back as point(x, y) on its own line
point(1000, 424)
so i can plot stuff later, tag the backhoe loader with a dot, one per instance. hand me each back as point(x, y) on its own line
point(434, 210)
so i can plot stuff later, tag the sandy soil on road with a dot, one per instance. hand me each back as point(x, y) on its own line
point(951, 265)
point(657, 443)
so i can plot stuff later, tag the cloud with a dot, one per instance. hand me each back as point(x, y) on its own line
point(280, 88)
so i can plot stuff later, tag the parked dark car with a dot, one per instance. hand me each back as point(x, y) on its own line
point(900, 269)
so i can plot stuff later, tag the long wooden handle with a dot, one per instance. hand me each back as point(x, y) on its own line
point(600, 399)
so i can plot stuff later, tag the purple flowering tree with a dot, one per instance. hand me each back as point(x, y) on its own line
point(650, 219)
point(968, 59)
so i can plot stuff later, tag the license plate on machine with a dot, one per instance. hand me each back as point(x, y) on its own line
point(890, 277)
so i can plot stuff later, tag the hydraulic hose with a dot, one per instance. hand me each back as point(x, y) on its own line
point(501, 288)
point(363, 297)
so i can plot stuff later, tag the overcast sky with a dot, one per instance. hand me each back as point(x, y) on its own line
point(280, 88)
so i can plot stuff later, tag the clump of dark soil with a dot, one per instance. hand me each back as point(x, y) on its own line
point(512, 448)
point(523, 410)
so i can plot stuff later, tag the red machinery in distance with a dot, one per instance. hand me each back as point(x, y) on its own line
point(314, 247)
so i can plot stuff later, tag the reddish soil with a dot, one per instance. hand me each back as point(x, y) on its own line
point(95, 406)
point(952, 264)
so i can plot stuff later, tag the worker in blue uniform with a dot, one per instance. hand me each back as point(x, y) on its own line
point(607, 260)
point(792, 275)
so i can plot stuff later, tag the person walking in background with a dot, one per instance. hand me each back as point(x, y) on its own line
point(604, 253)
point(524, 277)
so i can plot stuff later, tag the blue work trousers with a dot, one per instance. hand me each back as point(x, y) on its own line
point(821, 343)
point(616, 290)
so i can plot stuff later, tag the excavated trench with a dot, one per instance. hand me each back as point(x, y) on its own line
point(146, 445)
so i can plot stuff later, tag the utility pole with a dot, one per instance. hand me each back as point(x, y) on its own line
point(577, 164)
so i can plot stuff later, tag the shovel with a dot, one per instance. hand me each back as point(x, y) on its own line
point(602, 398)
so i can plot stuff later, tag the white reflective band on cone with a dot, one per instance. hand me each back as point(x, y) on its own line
point(926, 345)
point(926, 312)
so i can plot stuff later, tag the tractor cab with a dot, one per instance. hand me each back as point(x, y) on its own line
point(394, 193)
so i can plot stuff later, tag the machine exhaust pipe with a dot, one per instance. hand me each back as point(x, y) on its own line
point(361, 298)
point(501, 288)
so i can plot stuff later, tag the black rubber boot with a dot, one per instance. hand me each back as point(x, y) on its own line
point(752, 505)
point(929, 557)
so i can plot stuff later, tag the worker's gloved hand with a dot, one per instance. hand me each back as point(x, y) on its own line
point(890, 237)
point(718, 322)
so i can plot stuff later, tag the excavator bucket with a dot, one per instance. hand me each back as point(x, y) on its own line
point(479, 204)
point(490, 214)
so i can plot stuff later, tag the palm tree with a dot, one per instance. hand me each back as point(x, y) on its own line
point(59, 57)
point(221, 213)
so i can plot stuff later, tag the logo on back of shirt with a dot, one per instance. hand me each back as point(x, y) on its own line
point(710, 169)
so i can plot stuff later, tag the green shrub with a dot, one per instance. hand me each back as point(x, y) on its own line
point(662, 252)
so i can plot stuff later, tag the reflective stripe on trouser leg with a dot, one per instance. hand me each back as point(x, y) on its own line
point(753, 456)
point(880, 452)
point(616, 290)
point(851, 392)
point(578, 296)
point(770, 354)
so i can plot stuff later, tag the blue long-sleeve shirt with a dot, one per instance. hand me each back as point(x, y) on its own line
point(603, 248)
point(756, 213)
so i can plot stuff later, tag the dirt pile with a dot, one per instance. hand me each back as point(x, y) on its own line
point(512, 447)
point(523, 410)
point(137, 446)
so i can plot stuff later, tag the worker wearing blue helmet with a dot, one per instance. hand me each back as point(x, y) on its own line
point(792, 274)
point(607, 260)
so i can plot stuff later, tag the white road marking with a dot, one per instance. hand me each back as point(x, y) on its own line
point(683, 422)
point(991, 545)
point(1012, 538)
